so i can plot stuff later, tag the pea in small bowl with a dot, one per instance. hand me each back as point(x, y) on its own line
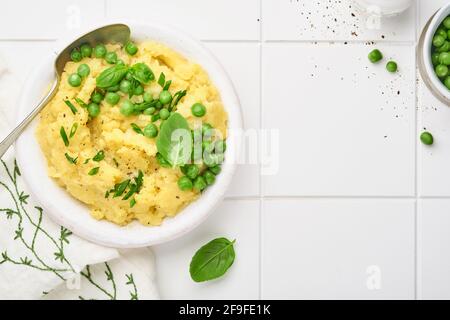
point(425, 46)
point(65, 210)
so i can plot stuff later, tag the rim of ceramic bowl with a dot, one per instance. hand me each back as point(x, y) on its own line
point(426, 68)
point(72, 214)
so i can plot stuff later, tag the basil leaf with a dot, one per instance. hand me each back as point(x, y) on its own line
point(142, 73)
point(212, 260)
point(111, 76)
point(174, 141)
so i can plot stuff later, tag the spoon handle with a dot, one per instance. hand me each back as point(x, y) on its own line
point(13, 135)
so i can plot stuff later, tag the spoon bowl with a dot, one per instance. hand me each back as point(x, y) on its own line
point(113, 33)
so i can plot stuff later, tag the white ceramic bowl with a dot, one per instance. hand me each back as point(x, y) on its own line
point(424, 50)
point(74, 215)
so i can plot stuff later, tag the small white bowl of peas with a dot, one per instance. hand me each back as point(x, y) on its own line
point(434, 54)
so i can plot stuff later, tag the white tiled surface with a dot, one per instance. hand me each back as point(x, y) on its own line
point(359, 208)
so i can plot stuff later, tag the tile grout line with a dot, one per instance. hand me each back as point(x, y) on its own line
point(260, 200)
point(416, 125)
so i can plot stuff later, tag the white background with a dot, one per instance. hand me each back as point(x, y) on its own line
point(357, 197)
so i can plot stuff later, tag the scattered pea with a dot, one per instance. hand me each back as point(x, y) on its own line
point(75, 55)
point(210, 178)
point(93, 109)
point(375, 55)
point(149, 111)
point(164, 114)
point(185, 184)
point(150, 130)
point(446, 22)
point(447, 82)
point(198, 110)
point(100, 51)
point(125, 86)
point(442, 33)
point(444, 58)
point(138, 90)
point(438, 41)
point(426, 138)
point(86, 50)
point(445, 47)
point(199, 184)
point(391, 66)
point(127, 108)
point(216, 169)
point(111, 57)
point(148, 97)
point(112, 98)
point(435, 58)
point(74, 80)
point(192, 171)
point(97, 97)
point(165, 97)
point(131, 48)
point(120, 62)
point(83, 70)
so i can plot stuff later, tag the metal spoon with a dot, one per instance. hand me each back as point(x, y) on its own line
point(114, 33)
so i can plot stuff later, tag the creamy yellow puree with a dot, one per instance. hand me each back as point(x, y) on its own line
point(126, 152)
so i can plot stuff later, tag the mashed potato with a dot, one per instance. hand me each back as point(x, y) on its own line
point(126, 152)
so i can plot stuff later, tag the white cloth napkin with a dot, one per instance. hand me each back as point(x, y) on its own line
point(40, 259)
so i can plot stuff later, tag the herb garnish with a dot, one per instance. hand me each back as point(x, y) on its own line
point(71, 106)
point(133, 188)
point(167, 85)
point(132, 202)
point(142, 73)
point(81, 103)
point(111, 76)
point(212, 260)
point(115, 162)
point(93, 171)
point(63, 134)
point(73, 130)
point(174, 141)
point(176, 98)
point(99, 156)
point(162, 79)
point(70, 159)
point(137, 129)
point(86, 161)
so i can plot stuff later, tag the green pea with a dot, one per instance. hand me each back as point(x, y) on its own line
point(131, 48)
point(148, 97)
point(93, 109)
point(75, 55)
point(446, 22)
point(441, 32)
point(435, 58)
point(100, 51)
point(444, 58)
point(164, 114)
point(97, 97)
point(391, 66)
point(447, 82)
point(210, 178)
point(426, 138)
point(86, 50)
point(74, 80)
point(444, 48)
point(198, 110)
point(113, 88)
point(83, 70)
point(120, 62)
point(111, 57)
point(149, 111)
point(125, 86)
point(220, 146)
point(438, 41)
point(158, 105)
point(199, 184)
point(375, 55)
point(165, 97)
point(138, 90)
point(216, 169)
point(127, 108)
point(192, 171)
point(112, 98)
point(441, 70)
point(150, 130)
point(185, 184)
